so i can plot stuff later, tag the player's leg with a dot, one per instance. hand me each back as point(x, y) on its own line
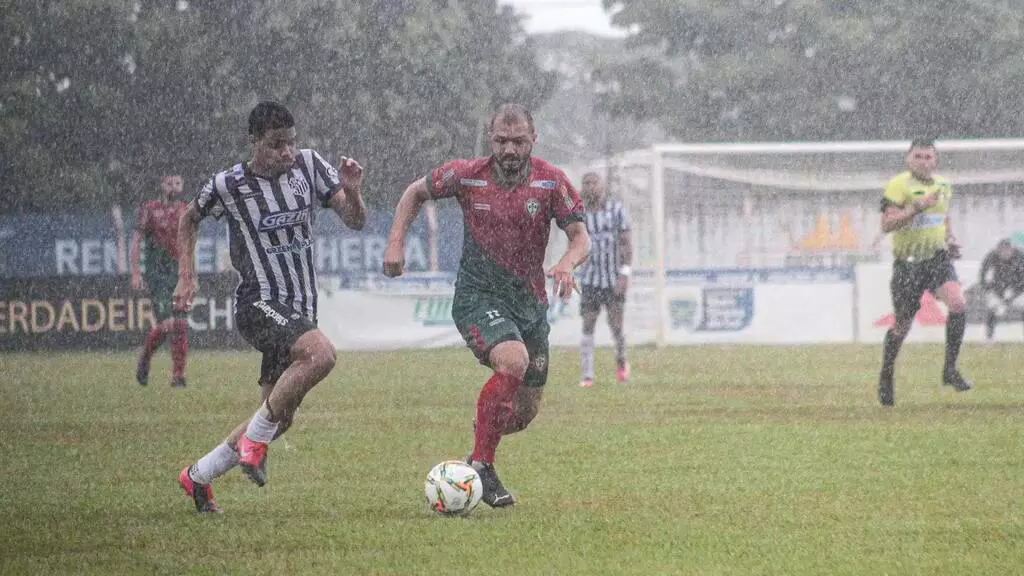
point(197, 479)
point(994, 309)
point(156, 336)
point(947, 289)
point(312, 357)
point(179, 339)
point(616, 322)
point(527, 402)
point(590, 308)
point(495, 340)
point(906, 290)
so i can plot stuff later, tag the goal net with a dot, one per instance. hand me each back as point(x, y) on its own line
point(787, 205)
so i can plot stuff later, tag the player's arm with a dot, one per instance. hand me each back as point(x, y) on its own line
point(347, 201)
point(986, 267)
point(415, 195)
point(135, 260)
point(952, 245)
point(188, 233)
point(576, 254)
point(626, 257)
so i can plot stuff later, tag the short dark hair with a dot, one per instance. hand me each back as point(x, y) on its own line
point(510, 113)
point(269, 115)
point(1005, 243)
point(922, 143)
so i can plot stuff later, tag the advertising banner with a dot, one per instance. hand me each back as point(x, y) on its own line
point(874, 304)
point(104, 313)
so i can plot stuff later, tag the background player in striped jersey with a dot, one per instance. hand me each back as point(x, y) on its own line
point(604, 279)
point(269, 204)
point(915, 208)
point(157, 228)
point(500, 307)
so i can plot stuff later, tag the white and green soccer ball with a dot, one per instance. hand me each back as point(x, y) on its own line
point(453, 488)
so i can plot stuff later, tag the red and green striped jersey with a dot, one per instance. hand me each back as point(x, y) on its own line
point(506, 230)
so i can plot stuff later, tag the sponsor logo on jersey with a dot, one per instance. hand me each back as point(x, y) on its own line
point(545, 184)
point(296, 245)
point(473, 183)
point(532, 206)
point(283, 220)
point(481, 206)
point(299, 186)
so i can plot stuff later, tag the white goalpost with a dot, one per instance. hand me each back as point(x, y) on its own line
point(743, 206)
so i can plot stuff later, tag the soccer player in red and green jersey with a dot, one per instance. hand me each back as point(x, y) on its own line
point(158, 227)
point(500, 307)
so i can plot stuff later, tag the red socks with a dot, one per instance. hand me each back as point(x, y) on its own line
point(153, 341)
point(495, 409)
point(179, 348)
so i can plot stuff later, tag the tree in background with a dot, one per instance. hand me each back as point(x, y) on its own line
point(98, 95)
point(809, 70)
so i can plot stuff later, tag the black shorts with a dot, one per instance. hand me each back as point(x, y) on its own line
point(592, 298)
point(272, 328)
point(911, 279)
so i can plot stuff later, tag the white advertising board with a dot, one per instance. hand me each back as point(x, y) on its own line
point(764, 306)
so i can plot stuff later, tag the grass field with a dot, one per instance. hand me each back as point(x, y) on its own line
point(734, 460)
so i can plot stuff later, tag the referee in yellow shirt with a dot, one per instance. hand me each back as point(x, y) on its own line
point(916, 210)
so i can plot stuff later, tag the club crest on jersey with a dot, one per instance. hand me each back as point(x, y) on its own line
point(532, 206)
point(299, 186)
point(540, 362)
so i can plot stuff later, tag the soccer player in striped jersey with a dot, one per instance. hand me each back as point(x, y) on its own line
point(604, 279)
point(915, 208)
point(157, 228)
point(269, 203)
point(508, 201)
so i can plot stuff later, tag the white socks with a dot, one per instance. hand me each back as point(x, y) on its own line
point(587, 356)
point(213, 465)
point(260, 428)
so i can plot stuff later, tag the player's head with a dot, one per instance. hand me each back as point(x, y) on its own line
point(512, 136)
point(593, 190)
point(171, 186)
point(1005, 249)
point(922, 158)
point(272, 134)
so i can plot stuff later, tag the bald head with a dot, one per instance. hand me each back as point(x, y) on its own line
point(512, 114)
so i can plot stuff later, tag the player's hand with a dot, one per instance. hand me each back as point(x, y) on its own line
point(394, 260)
point(351, 174)
point(622, 285)
point(954, 249)
point(138, 283)
point(565, 282)
point(185, 293)
point(927, 202)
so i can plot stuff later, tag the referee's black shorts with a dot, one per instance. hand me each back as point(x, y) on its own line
point(272, 328)
point(912, 278)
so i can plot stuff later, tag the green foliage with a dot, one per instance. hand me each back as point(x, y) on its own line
point(808, 70)
point(103, 95)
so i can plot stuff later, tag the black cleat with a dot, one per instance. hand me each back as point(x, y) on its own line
point(886, 393)
point(495, 495)
point(958, 382)
point(142, 372)
point(178, 382)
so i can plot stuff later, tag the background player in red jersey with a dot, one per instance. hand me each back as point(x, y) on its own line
point(508, 201)
point(158, 227)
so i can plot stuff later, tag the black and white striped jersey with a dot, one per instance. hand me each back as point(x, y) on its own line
point(271, 228)
point(601, 270)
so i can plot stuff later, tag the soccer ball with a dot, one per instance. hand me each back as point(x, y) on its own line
point(453, 488)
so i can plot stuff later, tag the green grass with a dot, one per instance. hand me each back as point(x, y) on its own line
point(732, 460)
